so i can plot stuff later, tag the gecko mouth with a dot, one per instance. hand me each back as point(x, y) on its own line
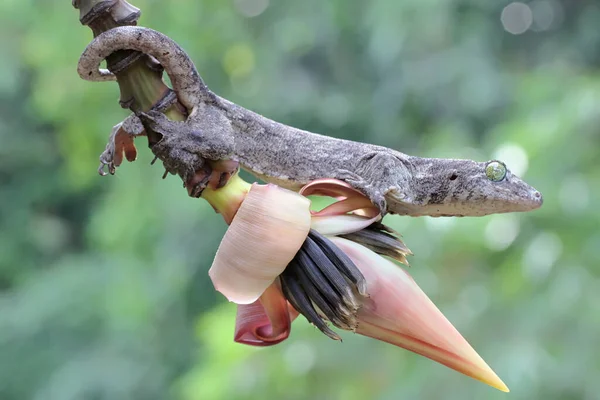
point(532, 201)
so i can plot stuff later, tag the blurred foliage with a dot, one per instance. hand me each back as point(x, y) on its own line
point(103, 286)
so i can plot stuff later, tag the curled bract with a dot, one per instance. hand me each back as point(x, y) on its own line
point(265, 234)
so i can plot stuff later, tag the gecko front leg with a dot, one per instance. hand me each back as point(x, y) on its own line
point(185, 147)
point(200, 149)
point(120, 142)
point(187, 83)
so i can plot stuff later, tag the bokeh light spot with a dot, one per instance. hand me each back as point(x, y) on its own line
point(501, 231)
point(300, 357)
point(251, 8)
point(238, 60)
point(516, 18)
point(543, 14)
point(514, 156)
point(295, 35)
point(439, 224)
point(541, 254)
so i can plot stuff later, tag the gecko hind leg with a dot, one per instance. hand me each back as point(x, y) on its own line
point(385, 172)
point(364, 186)
point(193, 149)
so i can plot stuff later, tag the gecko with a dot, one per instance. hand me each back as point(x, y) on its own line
point(217, 129)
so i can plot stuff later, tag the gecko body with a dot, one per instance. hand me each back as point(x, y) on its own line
point(218, 129)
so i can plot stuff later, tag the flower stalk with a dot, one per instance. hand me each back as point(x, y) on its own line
point(228, 199)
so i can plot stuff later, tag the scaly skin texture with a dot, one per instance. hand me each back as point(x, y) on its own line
point(217, 129)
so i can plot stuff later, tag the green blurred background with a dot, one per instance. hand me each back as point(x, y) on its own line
point(104, 292)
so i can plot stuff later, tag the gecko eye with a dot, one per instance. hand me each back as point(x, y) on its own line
point(495, 171)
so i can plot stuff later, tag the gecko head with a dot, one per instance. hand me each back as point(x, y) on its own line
point(448, 187)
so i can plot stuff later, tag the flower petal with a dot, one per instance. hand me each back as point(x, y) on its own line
point(329, 187)
point(350, 204)
point(341, 224)
point(349, 199)
point(265, 322)
point(265, 234)
point(398, 312)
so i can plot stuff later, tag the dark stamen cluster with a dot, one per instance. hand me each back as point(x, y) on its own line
point(323, 284)
point(382, 240)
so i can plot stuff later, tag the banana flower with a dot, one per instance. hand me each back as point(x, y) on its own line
point(279, 259)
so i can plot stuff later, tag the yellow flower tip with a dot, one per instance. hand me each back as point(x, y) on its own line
point(501, 386)
point(471, 364)
point(478, 369)
point(496, 383)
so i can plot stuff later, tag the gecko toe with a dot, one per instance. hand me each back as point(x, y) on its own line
point(107, 160)
point(196, 184)
point(222, 171)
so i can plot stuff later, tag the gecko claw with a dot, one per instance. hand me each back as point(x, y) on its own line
point(222, 171)
point(107, 158)
point(198, 182)
point(103, 166)
point(214, 175)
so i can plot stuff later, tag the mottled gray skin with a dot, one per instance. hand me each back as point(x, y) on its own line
point(218, 129)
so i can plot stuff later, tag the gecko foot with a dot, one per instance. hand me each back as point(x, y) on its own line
point(222, 171)
point(368, 190)
point(120, 143)
point(175, 148)
point(214, 174)
point(196, 184)
point(185, 148)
